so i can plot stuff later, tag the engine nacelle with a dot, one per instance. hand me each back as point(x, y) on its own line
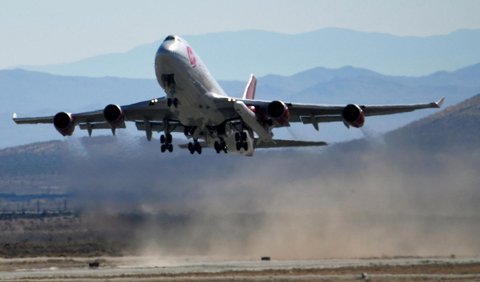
point(114, 115)
point(278, 111)
point(64, 123)
point(353, 115)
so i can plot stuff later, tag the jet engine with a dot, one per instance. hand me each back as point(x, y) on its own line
point(64, 123)
point(353, 115)
point(114, 115)
point(278, 111)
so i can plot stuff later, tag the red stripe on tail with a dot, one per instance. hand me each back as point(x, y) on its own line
point(250, 89)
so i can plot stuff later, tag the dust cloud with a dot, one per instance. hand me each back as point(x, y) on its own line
point(360, 199)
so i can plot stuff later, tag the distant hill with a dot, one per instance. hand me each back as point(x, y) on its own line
point(33, 93)
point(455, 128)
point(234, 55)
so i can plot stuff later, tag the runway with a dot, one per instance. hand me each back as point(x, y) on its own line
point(203, 269)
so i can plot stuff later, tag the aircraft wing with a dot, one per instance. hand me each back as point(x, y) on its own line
point(152, 112)
point(153, 115)
point(93, 116)
point(314, 114)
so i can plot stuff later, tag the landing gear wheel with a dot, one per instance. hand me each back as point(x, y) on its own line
point(245, 146)
point(166, 141)
point(238, 146)
point(168, 138)
point(223, 147)
point(217, 147)
point(169, 102)
point(175, 102)
point(244, 136)
point(237, 137)
point(194, 147)
point(198, 148)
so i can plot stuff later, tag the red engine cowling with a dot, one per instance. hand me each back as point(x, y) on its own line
point(278, 111)
point(353, 115)
point(114, 115)
point(64, 123)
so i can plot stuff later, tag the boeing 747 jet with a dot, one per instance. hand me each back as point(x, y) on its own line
point(198, 107)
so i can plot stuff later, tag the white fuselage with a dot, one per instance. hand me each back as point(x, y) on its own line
point(193, 86)
point(186, 81)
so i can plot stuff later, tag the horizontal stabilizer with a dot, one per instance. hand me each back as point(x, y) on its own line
point(287, 143)
point(185, 146)
point(275, 144)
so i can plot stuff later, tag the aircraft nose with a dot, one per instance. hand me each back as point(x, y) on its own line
point(167, 44)
point(164, 48)
point(166, 54)
point(170, 38)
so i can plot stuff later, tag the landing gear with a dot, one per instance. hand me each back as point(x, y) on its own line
point(188, 131)
point(166, 141)
point(195, 147)
point(220, 146)
point(241, 139)
point(172, 102)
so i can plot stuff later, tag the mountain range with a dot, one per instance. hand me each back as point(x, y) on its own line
point(234, 55)
point(33, 93)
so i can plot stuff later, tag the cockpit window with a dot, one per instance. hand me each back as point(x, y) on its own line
point(170, 37)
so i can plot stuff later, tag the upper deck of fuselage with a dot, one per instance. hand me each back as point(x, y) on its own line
point(175, 56)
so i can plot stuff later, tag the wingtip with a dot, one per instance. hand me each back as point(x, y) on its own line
point(14, 117)
point(439, 103)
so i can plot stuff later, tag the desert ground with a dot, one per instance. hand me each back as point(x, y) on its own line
point(67, 246)
point(200, 269)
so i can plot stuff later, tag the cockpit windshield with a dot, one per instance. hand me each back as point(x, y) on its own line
point(170, 37)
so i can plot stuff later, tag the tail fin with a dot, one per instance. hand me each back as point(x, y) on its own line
point(250, 89)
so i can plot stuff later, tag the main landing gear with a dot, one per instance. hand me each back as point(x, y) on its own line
point(220, 146)
point(241, 139)
point(195, 147)
point(172, 102)
point(166, 141)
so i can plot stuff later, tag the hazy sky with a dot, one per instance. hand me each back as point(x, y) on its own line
point(55, 31)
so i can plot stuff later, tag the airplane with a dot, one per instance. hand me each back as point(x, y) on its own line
point(198, 107)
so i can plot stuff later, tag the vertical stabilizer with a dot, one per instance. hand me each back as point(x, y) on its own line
point(250, 89)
